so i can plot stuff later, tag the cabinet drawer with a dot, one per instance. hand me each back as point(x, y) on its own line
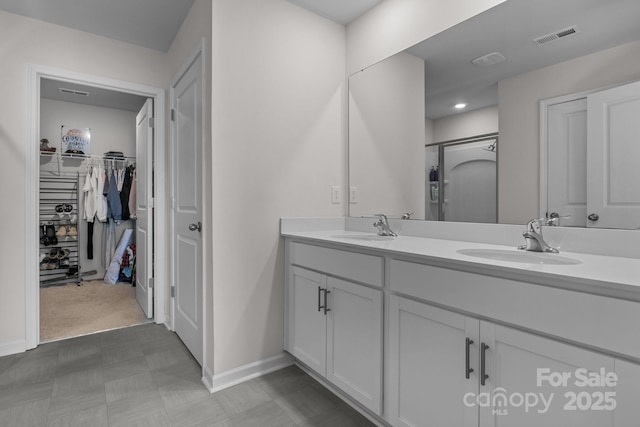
point(607, 323)
point(362, 268)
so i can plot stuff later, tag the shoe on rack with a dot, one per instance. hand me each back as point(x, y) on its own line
point(62, 231)
point(63, 254)
point(50, 229)
point(73, 231)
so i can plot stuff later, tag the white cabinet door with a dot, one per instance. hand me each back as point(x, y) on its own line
point(428, 365)
point(354, 341)
point(627, 397)
point(307, 322)
point(613, 153)
point(512, 363)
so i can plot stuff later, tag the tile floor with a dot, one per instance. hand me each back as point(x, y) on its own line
point(144, 376)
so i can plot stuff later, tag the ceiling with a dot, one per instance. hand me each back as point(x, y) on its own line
point(341, 11)
point(450, 76)
point(148, 23)
point(50, 89)
point(151, 24)
point(509, 28)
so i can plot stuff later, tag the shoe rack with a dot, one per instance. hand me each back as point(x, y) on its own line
point(59, 230)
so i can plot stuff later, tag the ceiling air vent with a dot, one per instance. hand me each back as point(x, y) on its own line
point(489, 59)
point(73, 91)
point(557, 35)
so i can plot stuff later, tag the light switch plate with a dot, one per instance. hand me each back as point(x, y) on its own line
point(353, 195)
point(335, 194)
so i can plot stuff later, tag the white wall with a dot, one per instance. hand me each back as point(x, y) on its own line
point(27, 41)
point(465, 125)
point(394, 25)
point(386, 137)
point(277, 125)
point(111, 130)
point(519, 165)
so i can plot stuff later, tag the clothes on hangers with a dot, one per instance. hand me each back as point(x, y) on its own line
point(132, 196)
point(120, 178)
point(113, 198)
point(91, 200)
point(90, 190)
point(126, 191)
point(101, 206)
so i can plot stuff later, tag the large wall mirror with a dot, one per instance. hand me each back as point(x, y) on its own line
point(415, 149)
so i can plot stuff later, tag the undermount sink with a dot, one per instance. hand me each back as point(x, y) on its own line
point(524, 257)
point(366, 237)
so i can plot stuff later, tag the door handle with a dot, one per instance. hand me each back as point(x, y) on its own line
point(483, 360)
point(467, 369)
point(593, 217)
point(326, 306)
point(322, 306)
point(194, 227)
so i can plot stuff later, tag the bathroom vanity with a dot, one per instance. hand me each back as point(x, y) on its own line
point(422, 331)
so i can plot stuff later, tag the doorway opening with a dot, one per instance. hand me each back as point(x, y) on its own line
point(62, 274)
point(461, 178)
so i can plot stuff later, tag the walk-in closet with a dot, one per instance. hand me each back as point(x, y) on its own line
point(87, 210)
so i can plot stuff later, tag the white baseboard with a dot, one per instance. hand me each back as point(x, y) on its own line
point(14, 347)
point(217, 382)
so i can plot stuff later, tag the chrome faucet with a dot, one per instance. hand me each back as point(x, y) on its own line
point(533, 236)
point(382, 224)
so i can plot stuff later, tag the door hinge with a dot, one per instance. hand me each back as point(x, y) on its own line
point(150, 282)
point(173, 115)
point(152, 202)
point(151, 122)
point(173, 292)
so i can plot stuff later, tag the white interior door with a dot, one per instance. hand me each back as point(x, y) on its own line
point(187, 133)
point(613, 153)
point(567, 162)
point(144, 208)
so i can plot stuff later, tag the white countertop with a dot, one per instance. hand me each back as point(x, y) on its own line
point(606, 275)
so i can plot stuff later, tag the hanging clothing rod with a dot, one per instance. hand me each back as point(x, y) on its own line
point(98, 157)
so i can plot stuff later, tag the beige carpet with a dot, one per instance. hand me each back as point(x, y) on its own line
point(71, 310)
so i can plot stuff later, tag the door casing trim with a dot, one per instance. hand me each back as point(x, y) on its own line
point(32, 174)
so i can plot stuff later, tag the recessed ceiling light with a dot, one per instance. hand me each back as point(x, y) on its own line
point(460, 106)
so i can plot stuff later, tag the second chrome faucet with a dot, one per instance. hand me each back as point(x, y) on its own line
point(533, 236)
point(382, 224)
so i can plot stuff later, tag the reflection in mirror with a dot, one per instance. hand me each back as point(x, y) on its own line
point(584, 45)
point(462, 180)
point(386, 138)
point(590, 143)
